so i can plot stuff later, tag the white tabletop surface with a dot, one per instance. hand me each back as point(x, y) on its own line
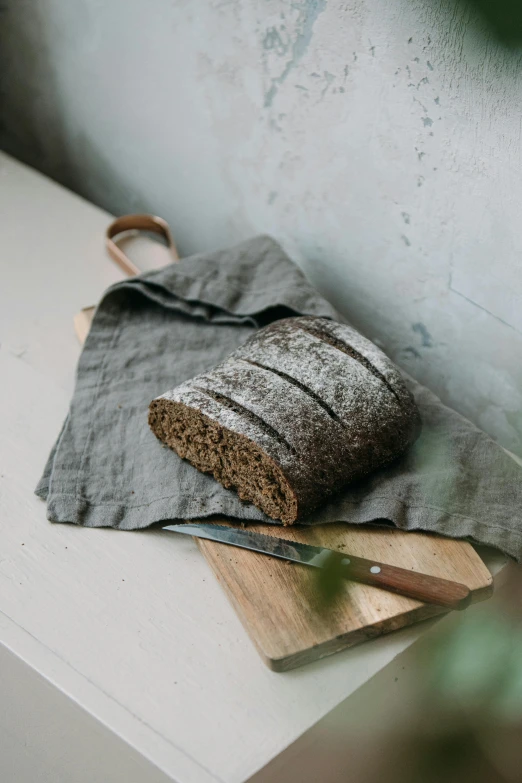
point(133, 627)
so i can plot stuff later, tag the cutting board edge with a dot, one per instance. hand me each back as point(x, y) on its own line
point(342, 642)
point(354, 638)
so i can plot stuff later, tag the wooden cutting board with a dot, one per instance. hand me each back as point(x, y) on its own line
point(277, 601)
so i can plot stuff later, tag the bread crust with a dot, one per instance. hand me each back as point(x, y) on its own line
point(303, 408)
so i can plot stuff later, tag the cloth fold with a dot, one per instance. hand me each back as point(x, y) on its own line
point(154, 331)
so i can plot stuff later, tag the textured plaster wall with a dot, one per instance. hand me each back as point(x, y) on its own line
point(379, 140)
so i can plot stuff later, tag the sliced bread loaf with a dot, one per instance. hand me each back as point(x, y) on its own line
point(304, 407)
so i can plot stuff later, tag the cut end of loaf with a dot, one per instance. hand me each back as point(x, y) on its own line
point(234, 460)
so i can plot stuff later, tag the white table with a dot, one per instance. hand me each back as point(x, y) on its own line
point(120, 657)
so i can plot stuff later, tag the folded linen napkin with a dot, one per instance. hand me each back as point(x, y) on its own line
point(154, 331)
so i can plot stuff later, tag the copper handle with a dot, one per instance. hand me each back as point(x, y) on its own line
point(136, 223)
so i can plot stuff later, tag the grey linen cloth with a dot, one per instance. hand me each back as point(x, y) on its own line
point(152, 332)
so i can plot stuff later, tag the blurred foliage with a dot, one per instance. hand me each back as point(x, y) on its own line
point(478, 668)
point(471, 724)
point(466, 724)
point(503, 18)
point(463, 722)
point(329, 583)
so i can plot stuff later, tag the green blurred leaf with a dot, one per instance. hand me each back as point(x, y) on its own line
point(504, 17)
point(329, 582)
point(478, 667)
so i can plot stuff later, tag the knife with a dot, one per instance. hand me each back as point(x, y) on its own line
point(412, 584)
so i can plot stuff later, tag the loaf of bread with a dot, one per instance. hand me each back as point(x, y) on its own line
point(304, 407)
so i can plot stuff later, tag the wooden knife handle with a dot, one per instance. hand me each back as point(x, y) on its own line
point(421, 587)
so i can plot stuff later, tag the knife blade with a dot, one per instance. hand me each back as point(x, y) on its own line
point(412, 584)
